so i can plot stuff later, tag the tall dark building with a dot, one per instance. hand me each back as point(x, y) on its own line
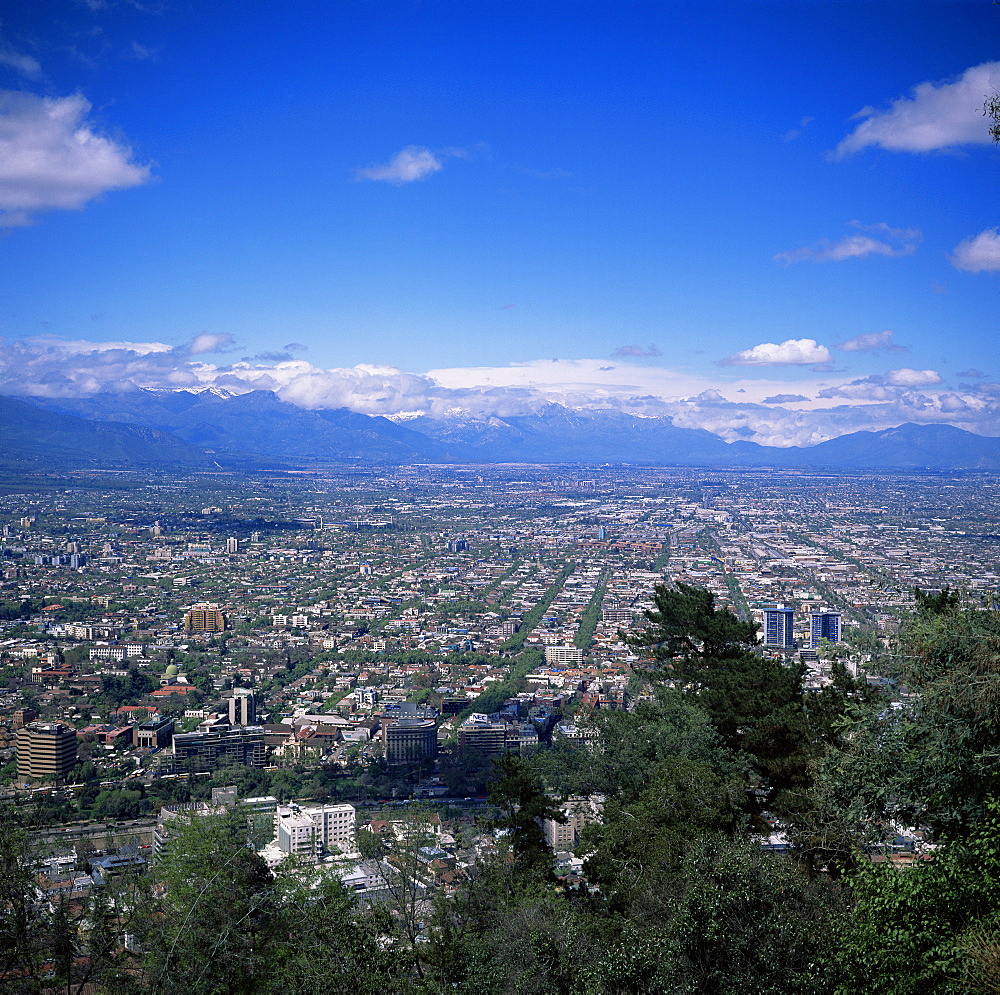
point(824, 624)
point(779, 626)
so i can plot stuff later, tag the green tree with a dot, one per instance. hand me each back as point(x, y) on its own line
point(683, 798)
point(754, 702)
point(23, 923)
point(928, 758)
point(686, 632)
point(992, 111)
point(519, 794)
point(747, 920)
point(629, 745)
point(928, 930)
point(509, 932)
point(210, 931)
point(323, 942)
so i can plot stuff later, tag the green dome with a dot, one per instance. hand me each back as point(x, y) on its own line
point(172, 670)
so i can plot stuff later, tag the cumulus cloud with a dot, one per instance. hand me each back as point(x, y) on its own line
point(415, 162)
point(980, 254)
point(935, 116)
point(972, 374)
point(868, 389)
point(906, 377)
point(636, 350)
point(52, 367)
point(210, 342)
point(889, 242)
point(791, 352)
point(785, 398)
point(52, 158)
point(871, 342)
point(893, 386)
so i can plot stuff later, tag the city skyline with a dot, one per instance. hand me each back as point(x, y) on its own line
point(776, 216)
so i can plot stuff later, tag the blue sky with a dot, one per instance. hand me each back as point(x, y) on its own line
point(427, 199)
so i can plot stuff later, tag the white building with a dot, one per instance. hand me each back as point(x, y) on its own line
point(563, 654)
point(308, 830)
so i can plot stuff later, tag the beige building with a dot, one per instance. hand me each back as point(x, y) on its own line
point(204, 617)
point(242, 708)
point(45, 751)
point(577, 811)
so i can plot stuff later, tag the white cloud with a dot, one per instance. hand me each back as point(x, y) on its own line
point(23, 64)
point(791, 352)
point(871, 342)
point(861, 390)
point(906, 377)
point(209, 342)
point(415, 162)
point(891, 242)
point(936, 116)
point(980, 254)
point(51, 158)
point(81, 347)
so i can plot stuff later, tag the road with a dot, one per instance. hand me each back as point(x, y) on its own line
point(131, 830)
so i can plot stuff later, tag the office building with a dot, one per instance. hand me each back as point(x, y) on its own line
point(204, 617)
point(232, 545)
point(779, 626)
point(45, 751)
point(409, 740)
point(510, 626)
point(458, 546)
point(153, 734)
point(480, 735)
point(220, 747)
point(242, 708)
point(824, 624)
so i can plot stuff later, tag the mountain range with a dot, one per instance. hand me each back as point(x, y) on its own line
point(211, 427)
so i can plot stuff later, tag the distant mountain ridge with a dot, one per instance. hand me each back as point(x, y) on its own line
point(197, 428)
point(32, 436)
